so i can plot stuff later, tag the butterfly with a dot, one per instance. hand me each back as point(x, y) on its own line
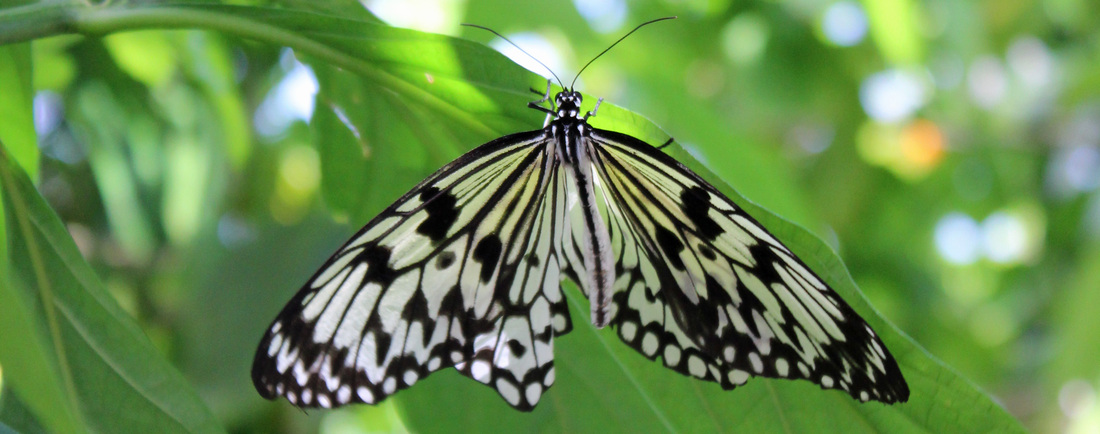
point(465, 270)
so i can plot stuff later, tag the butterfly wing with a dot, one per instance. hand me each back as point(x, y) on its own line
point(461, 271)
point(704, 286)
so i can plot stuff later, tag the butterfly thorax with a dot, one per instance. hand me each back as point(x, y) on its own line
point(568, 128)
point(569, 105)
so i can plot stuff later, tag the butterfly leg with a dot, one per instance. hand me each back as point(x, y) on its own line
point(669, 142)
point(537, 105)
point(594, 109)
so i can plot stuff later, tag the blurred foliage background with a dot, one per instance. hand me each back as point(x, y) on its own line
point(948, 151)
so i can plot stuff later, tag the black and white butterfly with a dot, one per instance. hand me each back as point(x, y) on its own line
point(465, 271)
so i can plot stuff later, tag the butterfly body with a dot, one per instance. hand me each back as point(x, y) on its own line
point(568, 130)
point(465, 271)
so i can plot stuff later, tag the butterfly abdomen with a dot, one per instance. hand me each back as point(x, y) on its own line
point(595, 243)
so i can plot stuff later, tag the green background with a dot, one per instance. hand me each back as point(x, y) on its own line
point(161, 201)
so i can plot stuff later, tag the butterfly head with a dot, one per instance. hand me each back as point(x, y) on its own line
point(569, 104)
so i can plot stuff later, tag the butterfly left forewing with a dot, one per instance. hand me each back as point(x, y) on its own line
point(455, 273)
point(715, 294)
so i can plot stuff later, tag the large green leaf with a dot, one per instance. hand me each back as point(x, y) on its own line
point(70, 352)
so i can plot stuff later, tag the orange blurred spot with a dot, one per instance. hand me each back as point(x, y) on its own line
point(922, 143)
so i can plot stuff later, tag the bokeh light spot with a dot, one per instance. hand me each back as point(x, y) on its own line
point(844, 23)
point(539, 47)
point(812, 137)
point(48, 112)
point(892, 95)
point(987, 81)
point(435, 16)
point(1073, 170)
point(910, 151)
point(300, 168)
point(289, 101)
point(1075, 397)
point(1030, 60)
point(1004, 237)
point(922, 144)
point(958, 239)
point(603, 16)
point(299, 177)
point(745, 38)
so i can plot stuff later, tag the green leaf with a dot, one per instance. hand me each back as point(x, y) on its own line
point(78, 361)
point(16, 106)
point(15, 415)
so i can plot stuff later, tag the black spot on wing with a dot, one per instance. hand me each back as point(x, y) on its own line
point(444, 260)
point(442, 213)
point(452, 301)
point(336, 363)
point(706, 252)
point(487, 253)
point(695, 203)
point(545, 334)
point(517, 348)
point(416, 309)
point(671, 245)
point(309, 351)
point(377, 259)
point(381, 340)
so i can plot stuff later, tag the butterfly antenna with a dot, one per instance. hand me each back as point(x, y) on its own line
point(520, 49)
point(613, 46)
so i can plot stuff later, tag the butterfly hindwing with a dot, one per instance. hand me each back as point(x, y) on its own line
point(515, 356)
point(705, 287)
point(461, 271)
